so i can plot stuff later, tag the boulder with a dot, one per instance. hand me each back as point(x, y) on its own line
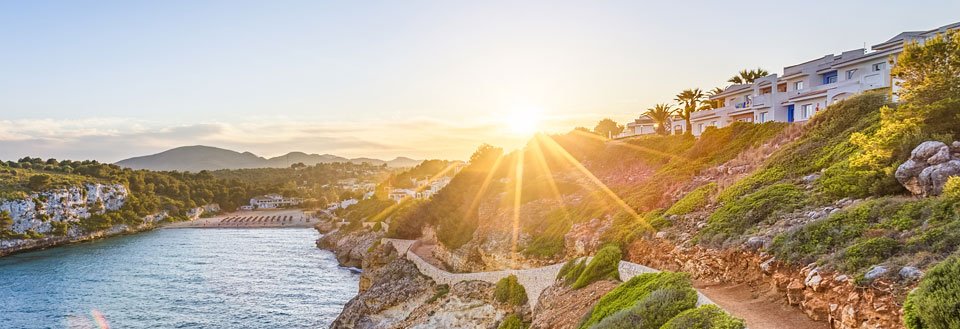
point(930, 165)
point(910, 273)
point(755, 243)
point(875, 272)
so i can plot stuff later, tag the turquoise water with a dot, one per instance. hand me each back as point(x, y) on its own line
point(178, 278)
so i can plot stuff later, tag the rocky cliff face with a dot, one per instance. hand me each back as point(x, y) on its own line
point(349, 247)
point(393, 294)
point(40, 209)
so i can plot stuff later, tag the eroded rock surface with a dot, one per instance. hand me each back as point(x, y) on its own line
point(930, 165)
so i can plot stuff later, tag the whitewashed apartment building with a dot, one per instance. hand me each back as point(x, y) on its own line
point(803, 89)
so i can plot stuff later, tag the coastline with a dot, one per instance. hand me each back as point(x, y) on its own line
point(54, 242)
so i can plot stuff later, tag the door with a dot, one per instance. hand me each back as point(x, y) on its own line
point(789, 113)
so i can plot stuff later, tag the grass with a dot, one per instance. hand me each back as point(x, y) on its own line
point(627, 294)
point(734, 218)
point(693, 200)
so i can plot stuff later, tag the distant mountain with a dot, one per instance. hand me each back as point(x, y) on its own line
point(199, 157)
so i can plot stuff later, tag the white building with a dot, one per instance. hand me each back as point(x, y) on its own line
point(272, 201)
point(804, 89)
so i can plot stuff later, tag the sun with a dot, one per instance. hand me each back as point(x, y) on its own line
point(524, 122)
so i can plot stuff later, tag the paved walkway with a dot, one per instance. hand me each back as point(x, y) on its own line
point(534, 280)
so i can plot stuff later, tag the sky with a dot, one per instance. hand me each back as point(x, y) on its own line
point(108, 80)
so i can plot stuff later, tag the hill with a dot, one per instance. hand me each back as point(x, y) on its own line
point(198, 157)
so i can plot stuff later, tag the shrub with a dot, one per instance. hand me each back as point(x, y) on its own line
point(628, 293)
point(509, 290)
point(704, 317)
point(693, 200)
point(951, 190)
point(653, 311)
point(574, 272)
point(604, 265)
point(935, 304)
point(569, 265)
point(868, 252)
point(735, 217)
point(511, 321)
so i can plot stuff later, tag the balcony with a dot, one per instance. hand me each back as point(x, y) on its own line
point(719, 112)
point(760, 100)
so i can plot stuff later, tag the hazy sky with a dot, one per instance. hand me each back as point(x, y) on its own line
point(112, 79)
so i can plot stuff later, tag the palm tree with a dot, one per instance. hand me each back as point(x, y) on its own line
point(712, 104)
point(661, 114)
point(748, 76)
point(689, 101)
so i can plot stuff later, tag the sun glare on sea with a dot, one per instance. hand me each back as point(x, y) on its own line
point(525, 121)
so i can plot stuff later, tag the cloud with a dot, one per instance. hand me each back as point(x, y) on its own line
point(113, 139)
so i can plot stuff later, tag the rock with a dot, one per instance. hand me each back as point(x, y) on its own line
point(848, 319)
point(767, 266)
point(910, 273)
point(755, 243)
point(795, 292)
point(841, 278)
point(875, 272)
point(813, 280)
point(811, 178)
point(661, 235)
point(584, 238)
point(926, 150)
point(943, 155)
point(815, 308)
point(930, 165)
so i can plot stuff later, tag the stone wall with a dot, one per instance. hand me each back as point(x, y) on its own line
point(822, 295)
point(534, 280)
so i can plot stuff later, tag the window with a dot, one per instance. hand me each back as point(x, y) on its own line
point(700, 128)
point(798, 85)
point(850, 74)
point(806, 111)
point(713, 123)
point(830, 77)
point(763, 117)
point(878, 66)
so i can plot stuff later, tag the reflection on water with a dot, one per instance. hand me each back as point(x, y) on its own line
point(178, 278)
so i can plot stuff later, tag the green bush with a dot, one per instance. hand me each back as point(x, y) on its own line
point(704, 317)
point(653, 311)
point(693, 200)
point(951, 190)
point(511, 321)
point(935, 304)
point(868, 252)
point(509, 290)
point(628, 293)
point(604, 265)
point(569, 265)
point(570, 276)
point(735, 217)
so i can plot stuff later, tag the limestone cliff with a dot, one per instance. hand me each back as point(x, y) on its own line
point(393, 294)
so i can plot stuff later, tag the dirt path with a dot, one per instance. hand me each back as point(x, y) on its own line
point(760, 310)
